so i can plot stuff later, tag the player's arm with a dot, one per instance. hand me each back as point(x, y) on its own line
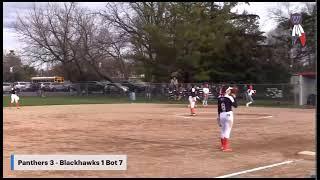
point(219, 111)
point(235, 103)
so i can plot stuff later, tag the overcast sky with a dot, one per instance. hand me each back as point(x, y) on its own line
point(10, 9)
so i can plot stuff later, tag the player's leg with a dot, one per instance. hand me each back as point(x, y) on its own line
point(251, 100)
point(11, 100)
point(227, 132)
point(207, 97)
point(191, 104)
point(17, 101)
point(223, 129)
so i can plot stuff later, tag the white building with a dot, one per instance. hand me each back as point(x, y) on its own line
point(304, 86)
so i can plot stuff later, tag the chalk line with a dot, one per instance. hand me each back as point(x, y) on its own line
point(255, 169)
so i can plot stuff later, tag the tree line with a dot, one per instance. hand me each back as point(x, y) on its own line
point(196, 41)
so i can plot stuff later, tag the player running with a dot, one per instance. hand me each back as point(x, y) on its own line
point(14, 97)
point(192, 99)
point(225, 115)
point(205, 91)
point(250, 92)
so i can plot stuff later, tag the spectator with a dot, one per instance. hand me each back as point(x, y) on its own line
point(42, 90)
point(132, 93)
point(174, 83)
point(245, 89)
point(148, 91)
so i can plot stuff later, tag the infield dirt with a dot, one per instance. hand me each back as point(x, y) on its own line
point(162, 140)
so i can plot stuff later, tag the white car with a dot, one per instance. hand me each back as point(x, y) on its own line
point(6, 87)
point(22, 85)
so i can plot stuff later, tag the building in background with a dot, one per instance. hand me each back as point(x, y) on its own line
point(305, 91)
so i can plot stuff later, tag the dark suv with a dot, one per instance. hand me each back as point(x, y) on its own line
point(91, 86)
point(134, 86)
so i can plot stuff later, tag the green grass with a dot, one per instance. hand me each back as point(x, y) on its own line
point(65, 100)
point(68, 100)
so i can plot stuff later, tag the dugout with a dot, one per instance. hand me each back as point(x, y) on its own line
point(305, 91)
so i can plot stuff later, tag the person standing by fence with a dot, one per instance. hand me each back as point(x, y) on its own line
point(174, 83)
point(42, 90)
point(132, 93)
point(205, 91)
point(148, 91)
point(245, 89)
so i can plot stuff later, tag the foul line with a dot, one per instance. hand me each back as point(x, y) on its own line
point(255, 169)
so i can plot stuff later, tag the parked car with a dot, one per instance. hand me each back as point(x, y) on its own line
point(33, 87)
point(6, 87)
point(54, 86)
point(22, 86)
point(134, 85)
point(45, 86)
point(115, 88)
point(91, 86)
point(123, 88)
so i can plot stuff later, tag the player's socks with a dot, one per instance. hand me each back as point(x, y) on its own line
point(17, 105)
point(222, 143)
point(10, 105)
point(226, 146)
point(193, 111)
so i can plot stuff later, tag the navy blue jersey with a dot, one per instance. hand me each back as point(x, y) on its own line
point(225, 103)
point(13, 91)
point(193, 92)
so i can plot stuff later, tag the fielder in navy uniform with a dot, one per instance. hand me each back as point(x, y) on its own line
point(225, 115)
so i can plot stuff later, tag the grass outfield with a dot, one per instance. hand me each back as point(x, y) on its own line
point(67, 100)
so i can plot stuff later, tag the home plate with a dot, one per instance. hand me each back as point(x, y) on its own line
point(310, 153)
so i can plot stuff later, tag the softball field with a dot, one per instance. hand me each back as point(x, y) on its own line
point(163, 140)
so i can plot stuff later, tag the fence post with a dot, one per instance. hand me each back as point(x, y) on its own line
point(283, 93)
point(87, 92)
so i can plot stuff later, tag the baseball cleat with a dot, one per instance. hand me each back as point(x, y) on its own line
point(227, 150)
point(226, 147)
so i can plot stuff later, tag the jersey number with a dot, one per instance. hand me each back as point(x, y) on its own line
point(223, 107)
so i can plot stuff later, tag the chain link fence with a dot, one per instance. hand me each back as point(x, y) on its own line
point(266, 93)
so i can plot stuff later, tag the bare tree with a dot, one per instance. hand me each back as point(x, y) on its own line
point(72, 37)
